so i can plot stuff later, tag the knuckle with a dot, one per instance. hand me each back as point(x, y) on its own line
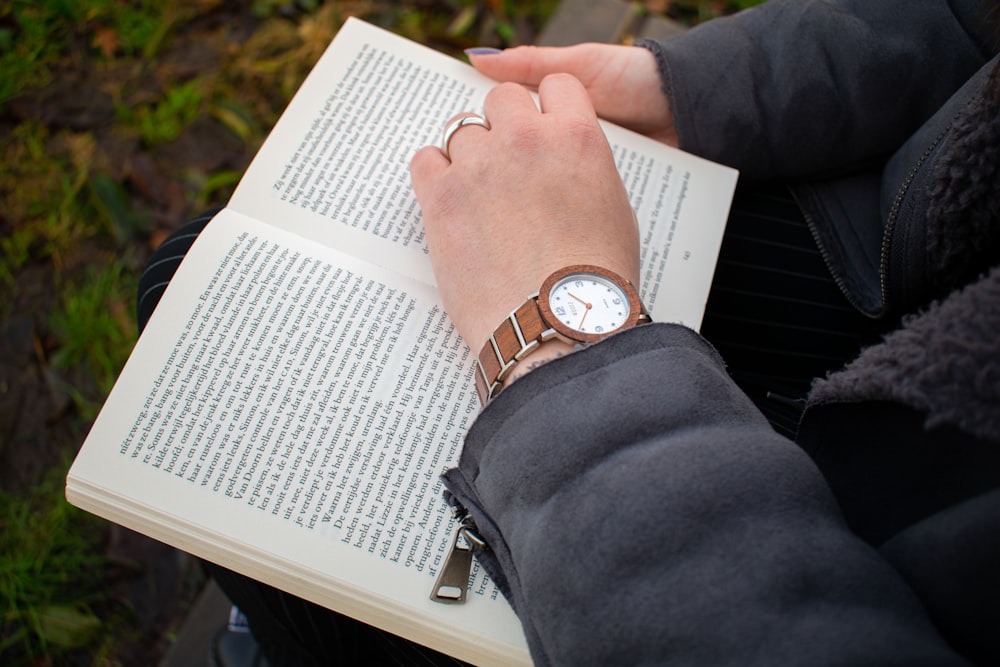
point(526, 138)
point(583, 130)
point(447, 200)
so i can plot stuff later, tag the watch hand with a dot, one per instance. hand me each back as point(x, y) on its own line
point(587, 305)
point(585, 311)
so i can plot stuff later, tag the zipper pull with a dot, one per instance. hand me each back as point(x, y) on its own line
point(453, 580)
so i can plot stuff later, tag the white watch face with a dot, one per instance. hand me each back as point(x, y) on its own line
point(589, 303)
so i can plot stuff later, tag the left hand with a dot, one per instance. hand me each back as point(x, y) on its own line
point(536, 192)
point(623, 82)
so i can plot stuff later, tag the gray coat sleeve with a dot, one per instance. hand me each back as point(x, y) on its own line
point(641, 511)
point(804, 88)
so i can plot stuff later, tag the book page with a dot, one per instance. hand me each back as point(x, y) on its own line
point(300, 405)
point(336, 168)
point(682, 205)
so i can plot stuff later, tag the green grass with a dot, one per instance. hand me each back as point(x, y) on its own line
point(50, 574)
point(96, 329)
point(164, 120)
point(36, 33)
point(43, 188)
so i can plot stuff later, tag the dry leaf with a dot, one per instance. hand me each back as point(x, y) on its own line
point(106, 39)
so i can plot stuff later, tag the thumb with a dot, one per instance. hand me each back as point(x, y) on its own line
point(528, 65)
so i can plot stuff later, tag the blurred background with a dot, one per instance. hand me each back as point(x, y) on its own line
point(119, 121)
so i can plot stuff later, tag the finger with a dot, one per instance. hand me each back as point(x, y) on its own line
point(563, 93)
point(426, 166)
point(508, 101)
point(454, 127)
point(530, 64)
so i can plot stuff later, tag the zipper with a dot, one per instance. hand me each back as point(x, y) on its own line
point(835, 275)
point(890, 223)
point(452, 582)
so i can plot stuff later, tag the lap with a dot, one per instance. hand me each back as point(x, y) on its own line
point(774, 313)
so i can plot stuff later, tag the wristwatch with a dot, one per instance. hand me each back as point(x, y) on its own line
point(578, 304)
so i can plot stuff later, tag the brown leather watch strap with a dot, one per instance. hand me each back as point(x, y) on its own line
point(520, 333)
point(536, 322)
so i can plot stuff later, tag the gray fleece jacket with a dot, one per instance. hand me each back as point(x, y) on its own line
point(639, 510)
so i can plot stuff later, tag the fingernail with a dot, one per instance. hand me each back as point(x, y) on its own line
point(483, 51)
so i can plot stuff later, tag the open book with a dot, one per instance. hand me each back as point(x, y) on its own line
point(292, 402)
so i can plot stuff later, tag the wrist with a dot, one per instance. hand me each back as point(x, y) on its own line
point(580, 303)
point(541, 355)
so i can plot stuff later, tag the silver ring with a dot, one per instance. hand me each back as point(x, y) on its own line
point(454, 126)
